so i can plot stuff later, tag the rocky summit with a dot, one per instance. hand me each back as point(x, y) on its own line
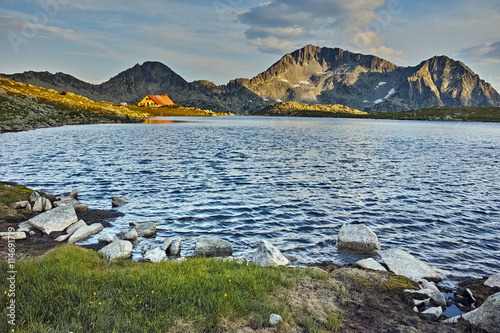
point(312, 75)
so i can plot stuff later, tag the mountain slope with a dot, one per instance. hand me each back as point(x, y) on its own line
point(311, 75)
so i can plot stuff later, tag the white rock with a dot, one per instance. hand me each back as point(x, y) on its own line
point(15, 235)
point(147, 247)
point(357, 237)
point(166, 244)
point(436, 295)
point(403, 263)
point(419, 302)
point(74, 227)
point(486, 316)
point(268, 255)
point(85, 232)
point(24, 227)
point(57, 219)
point(70, 201)
point(38, 204)
point(213, 247)
point(31, 233)
point(107, 237)
point(493, 281)
point(175, 247)
point(434, 313)
point(372, 264)
point(62, 238)
point(34, 196)
point(274, 319)
point(117, 249)
point(21, 205)
point(46, 204)
point(145, 229)
point(155, 255)
point(128, 235)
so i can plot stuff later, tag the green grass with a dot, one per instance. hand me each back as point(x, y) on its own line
point(71, 289)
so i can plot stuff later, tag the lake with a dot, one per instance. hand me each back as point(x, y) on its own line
point(430, 188)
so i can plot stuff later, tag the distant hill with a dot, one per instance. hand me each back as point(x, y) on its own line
point(312, 75)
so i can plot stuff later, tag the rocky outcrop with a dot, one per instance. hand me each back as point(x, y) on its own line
point(268, 255)
point(357, 237)
point(213, 247)
point(116, 250)
point(145, 229)
point(493, 281)
point(57, 219)
point(486, 316)
point(405, 264)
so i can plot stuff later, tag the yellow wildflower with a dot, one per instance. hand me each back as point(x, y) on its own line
point(225, 295)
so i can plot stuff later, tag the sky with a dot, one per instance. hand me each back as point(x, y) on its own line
point(220, 40)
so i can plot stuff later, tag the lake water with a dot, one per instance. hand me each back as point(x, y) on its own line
point(430, 188)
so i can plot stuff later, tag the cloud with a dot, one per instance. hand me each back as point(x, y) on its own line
point(488, 52)
point(276, 26)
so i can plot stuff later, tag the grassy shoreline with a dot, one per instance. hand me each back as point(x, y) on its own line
point(73, 289)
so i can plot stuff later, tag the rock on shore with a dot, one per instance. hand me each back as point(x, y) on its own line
point(117, 249)
point(213, 247)
point(357, 237)
point(57, 219)
point(268, 255)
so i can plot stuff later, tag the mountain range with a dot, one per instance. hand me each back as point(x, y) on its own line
point(311, 75)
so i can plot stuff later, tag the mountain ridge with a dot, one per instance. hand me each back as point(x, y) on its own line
point(312, 74)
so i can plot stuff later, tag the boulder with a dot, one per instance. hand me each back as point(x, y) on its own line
point(147, 247)
point(85, 232)
point(436, 295)
point(117, 249)
point(128, 235)
point(433, 313)
point(357, 237)
point(174, 249)
point(268, 255)
point(16, 235)
point(213, 247)
point(57, 219)
point(117, 202)
point(62, 238)
point(145, 229)
point(107, 237)
point(21, 205)
point(166, 244)
point(403, 263)
point(291, 257)
point(70, 201)
point(38, 205)
point(155, 255)
point(24, 227)
point(371, 263)
point(74, 227)
point(493, 281)
point(34, 197)
point(486, 316)
point(274, 319)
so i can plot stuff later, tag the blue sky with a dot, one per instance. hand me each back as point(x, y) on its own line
point(219, 40)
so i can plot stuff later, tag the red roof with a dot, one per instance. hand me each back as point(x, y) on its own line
point(161, 99)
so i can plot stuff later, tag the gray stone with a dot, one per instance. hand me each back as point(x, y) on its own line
point(493, 281)
point(433, 313)
point(274, 319)
point(31, 233)
point(72, 228)
point(85, 232)
point(419, 302)
point(47, 205)
point(403, 263)
point(268, 255)
point(70, 201)
point(372, 264)
point(24, 227)
point(57, 219)
point(174, 249)
point(436, 295)
point(213, 247)
point(34, 196)
point(117, 202)
point(128, 235)
point(117, 249)
point(145, 229)
point(38, 205)
point(166, 244)
point(21, 205)
point(486, 316)
point(291, 257)
point(73, 193)
point(357, 237)
point(107, 238)
point(62, 238)
point(15, 235)
point(155, 255)
point(147, 247)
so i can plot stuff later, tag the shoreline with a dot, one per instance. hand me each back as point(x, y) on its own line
point(38, 245)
